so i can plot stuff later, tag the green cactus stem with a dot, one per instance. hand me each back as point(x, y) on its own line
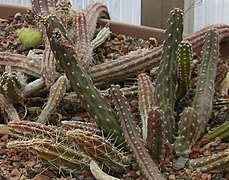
point(155, 135)
point(133, 137)
point(98, 173)
point(205, 88)
point(56, 93)
point(184, 58)
point(8, 109)
point(58, 155)
point(146, 100)
point(80, 81)
point(221, 132)
point(165, 86)
point(187, 128)
point(12, 86)
point(214, 163)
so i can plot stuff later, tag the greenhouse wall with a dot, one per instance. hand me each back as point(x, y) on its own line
point(128, 11)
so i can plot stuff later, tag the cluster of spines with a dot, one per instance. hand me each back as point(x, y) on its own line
point(184, 58)
point(133, 137)
point(146, 100)
point(80, 81)
point(205, 88)
point(167, 73)
point(214, 163)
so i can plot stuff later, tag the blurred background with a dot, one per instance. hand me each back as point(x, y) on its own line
point(198, 13)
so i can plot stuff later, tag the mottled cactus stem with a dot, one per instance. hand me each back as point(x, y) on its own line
point(165, 88)
point(81, 83)
point(184, 58)
point(146, 100)
point(133, 137)
point(56, 93)
point(205, 88)
point(214, 163)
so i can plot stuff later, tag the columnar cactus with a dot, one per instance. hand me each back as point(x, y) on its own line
point(80, 81)
point(184, 58)
point(165, 86)
point(205, 88)
point(146, 100)
point(133, 137)
point(187, 128)
point(214, 163)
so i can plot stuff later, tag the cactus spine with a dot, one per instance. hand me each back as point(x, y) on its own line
point(167, 73)
point(205, 88)
point(81, 83)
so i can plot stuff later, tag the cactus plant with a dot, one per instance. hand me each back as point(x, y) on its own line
point(132, 135)
point(205, 87)
point(80, 81)
point(167, 73)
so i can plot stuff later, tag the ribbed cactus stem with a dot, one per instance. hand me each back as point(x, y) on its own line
point(101, 37)
point(214, 163)
point(95, 11)
point(55, 153)
point(146, 100)
point(155, 135)
point(81, 39)
point(42, 6)
point(184, 58)
point(221, 132)
point(205, 88)
point(80, 81)
point(56, 93)
point(8, 108)
point(165, 87)
point(133, 137)
point(187, 128)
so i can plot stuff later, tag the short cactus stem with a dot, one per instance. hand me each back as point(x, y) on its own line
point(80, 81)
point(221, 132)
point(133, 137)
point(214, 163)
point(59, 155)
point(146, 100)
point(165, 86)
point(222, 73)
point(101, 37)
point(8, 109)
point(56, 93)
point(187, 128)
point(155, 134)
point(205, 88)
point(42, 6)
point(184, 58)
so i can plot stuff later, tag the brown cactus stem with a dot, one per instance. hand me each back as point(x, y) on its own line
point(21, 63)
point(146, 100)
point(145, 162)
point(42, 6)
point(9, 109)
point(56, 93)
point(81, 39)
point(34, 87)
point(128, 66)
point(95, 11)
point(55, 153)
point(222, 71)
point(80, 81)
